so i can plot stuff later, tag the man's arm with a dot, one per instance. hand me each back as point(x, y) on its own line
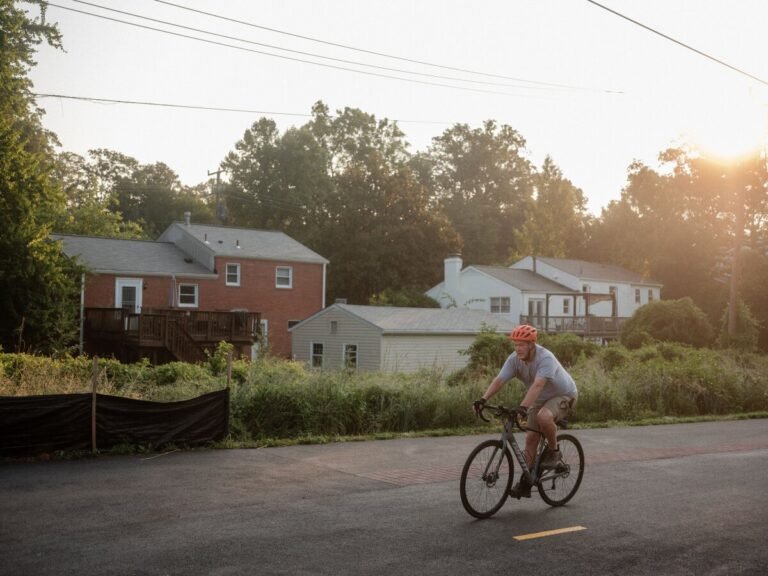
point(533, 391)
point(493, 388)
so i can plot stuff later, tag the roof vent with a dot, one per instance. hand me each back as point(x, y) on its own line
point(206, 239)
point(238, 244)
point(187, 218)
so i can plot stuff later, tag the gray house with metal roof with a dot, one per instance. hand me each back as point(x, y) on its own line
point(555, 295)
point(390, 339)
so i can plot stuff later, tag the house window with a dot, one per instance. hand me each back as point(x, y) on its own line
point(500, 305)
point(350, 356)
point(650, 295)
point(637, 295)
point(188, 295)
point(233, 274)
point(284, 277)
point(334, 326)
point(566, 306)
point(317, 355)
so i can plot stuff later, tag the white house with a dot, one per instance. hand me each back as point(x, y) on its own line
point(553, 294)
point(390, 339)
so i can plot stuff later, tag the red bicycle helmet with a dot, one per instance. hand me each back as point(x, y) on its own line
point(524, 333)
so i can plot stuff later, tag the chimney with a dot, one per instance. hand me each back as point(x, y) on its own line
point(452, 266)
point(187, 218)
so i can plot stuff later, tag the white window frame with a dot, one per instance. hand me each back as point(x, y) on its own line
point(650, 295)
point(236, 273)
point(566, 306)
point(637, 295)
point(196, 295)
point(500, 304)
point(278, 277)
point(313, 355)
point(344, 362)
point(334, 326)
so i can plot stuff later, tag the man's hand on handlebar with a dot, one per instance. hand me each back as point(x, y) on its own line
point(478, 405)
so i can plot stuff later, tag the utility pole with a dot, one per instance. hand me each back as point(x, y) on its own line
point(219, 207)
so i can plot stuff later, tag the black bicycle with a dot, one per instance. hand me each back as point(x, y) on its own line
point(489, 470)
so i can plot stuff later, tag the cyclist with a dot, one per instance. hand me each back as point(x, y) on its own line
point(549, 397)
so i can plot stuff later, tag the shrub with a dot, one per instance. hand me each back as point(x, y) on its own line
point(668, 321)
point(747, 330)
point(613, 356)
point(568, 348)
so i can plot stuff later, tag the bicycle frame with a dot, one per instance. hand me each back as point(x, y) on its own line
point(508, 439)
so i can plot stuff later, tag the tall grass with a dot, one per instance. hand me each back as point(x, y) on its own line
point(282, 399)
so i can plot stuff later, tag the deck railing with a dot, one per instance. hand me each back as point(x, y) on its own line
point(597, 326)
point(182, 332)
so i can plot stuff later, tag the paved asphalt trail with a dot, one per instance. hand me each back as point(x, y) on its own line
point(666, 500)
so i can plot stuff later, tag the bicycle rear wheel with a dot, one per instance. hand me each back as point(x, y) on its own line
point(486, 478)
point(559, 484)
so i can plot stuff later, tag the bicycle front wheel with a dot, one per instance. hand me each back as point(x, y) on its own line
point(559, 484)
point(486, 479)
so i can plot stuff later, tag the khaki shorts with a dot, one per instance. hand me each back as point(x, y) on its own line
point(560, 406)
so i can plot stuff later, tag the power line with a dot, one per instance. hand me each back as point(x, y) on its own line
point(382, 54)
point(679, 43)
point(209, 108)
point(244, 49)
point(314, 55)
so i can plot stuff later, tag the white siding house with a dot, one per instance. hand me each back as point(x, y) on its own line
point(553, 294)
point(390, 339)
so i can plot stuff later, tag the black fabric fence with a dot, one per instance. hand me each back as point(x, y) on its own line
point(34, 424)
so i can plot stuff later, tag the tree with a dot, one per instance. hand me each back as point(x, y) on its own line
point(482, 183)
point(342, 185)
point(558, 222)
point(668, 321)
point(37, 287)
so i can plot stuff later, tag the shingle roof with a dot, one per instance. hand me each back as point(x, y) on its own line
point(597, 271)
point(523, 279)
point(119, 256)
point(261, 244)
point(393, 319)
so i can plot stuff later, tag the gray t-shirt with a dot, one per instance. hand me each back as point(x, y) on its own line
point(544, 364)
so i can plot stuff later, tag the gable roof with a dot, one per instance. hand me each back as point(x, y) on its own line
point(525, 280)
point(597, 271)
point(260, 244)
point(401, 320)
point(132, 257)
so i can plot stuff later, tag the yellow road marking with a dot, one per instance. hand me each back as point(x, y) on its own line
point(549, 533)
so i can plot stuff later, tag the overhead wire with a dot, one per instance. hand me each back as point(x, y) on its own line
point(209, 108)
point(678, 42)
point(381, 54)
point(537, 86)
point(291, 58)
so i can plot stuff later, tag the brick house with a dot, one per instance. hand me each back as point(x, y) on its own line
point(195, 286)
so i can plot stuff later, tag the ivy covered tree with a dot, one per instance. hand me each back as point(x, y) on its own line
point(38, 289)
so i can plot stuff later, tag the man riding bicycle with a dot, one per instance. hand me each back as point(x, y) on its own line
point(549, 397)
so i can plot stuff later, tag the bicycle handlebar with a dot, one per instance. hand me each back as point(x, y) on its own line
point(502, 412)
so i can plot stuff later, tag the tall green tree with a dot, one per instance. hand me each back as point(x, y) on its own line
point(483, 184)
point(558, 223)
point(37, 288)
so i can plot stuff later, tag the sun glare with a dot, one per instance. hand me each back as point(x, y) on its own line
point(732, 128)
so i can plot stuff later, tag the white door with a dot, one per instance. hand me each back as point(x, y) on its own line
point(128, 294)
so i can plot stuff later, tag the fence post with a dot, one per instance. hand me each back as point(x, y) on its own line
point(94, 382)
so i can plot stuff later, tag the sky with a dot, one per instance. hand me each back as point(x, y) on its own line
point(582, 85)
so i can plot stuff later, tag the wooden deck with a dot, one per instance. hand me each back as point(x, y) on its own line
point(174, 334)
point(607, 327)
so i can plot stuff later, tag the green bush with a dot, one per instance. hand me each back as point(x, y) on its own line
point(568, 348)
point(668, 321)
point(613, 356)
point(747, 330)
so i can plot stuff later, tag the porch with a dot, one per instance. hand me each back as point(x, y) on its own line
point(166, 335)
point(602, 327)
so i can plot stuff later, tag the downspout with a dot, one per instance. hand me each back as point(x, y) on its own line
point(322, 304)
point(82, 311)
